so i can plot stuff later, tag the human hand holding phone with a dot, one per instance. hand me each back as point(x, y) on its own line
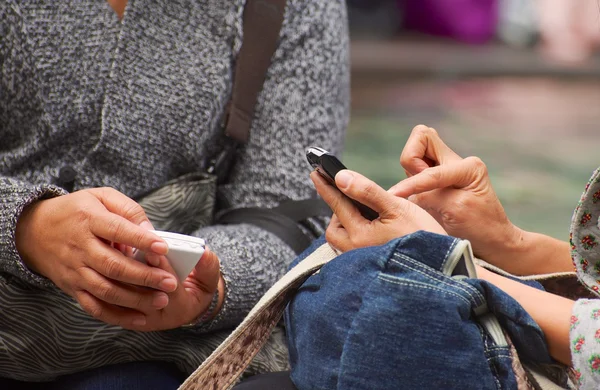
point(328, 165)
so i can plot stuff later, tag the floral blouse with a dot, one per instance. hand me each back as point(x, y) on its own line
point(585, 321)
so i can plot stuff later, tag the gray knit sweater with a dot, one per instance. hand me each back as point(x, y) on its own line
point(131, 105)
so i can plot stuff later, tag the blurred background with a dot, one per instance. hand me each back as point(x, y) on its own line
point(515, 82)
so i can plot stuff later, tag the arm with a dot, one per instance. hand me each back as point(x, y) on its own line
point(304, 101)
point(551, 312)
point(349, 230)
point(571, 327)
point(16, 196)
point(459, 194)
point(534, 254)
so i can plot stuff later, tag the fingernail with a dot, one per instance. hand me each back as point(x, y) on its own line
point(160, 300)
point(140, 321)
point(343, 179)
point(159, 247)
point(147, 225)
point(168, 285)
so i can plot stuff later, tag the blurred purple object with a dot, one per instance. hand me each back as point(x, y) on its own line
point(472, 21)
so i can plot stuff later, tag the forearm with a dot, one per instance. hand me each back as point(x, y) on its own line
point(532, 254)
point(551, 312)
point(16, 196)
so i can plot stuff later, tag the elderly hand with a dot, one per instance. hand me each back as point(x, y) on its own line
point(458, 193)
point(348, 229)
point(70, 240)
point(191, 299)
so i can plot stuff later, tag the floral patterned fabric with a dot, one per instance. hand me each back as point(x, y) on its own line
point(585, 321)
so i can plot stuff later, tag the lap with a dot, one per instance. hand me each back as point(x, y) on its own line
point(130, 376)
point(141, 376)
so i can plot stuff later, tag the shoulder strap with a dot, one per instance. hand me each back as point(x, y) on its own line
point(283, 220)
point(280, 225)
point(262, 23)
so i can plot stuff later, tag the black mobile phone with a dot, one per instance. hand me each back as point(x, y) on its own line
point(328, 166)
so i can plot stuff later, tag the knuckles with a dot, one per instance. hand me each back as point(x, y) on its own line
point(368, 190)
point(424, 131)
point(91, 308)
point(477, 164)
point(82, 214)
point(433, 174)
point(106, 292)
point(133, 211)
point(419, 132)
point(113, 267)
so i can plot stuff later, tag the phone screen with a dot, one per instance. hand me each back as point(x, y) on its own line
point(328, 166)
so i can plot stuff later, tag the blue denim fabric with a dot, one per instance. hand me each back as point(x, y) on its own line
point(393, 317)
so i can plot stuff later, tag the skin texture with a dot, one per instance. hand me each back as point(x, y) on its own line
point(458, 194)
point(81, 241)
point(118, 6)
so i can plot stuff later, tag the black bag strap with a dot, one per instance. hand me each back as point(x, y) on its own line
point(270, 220)
point(300, 210)
point(262, 21)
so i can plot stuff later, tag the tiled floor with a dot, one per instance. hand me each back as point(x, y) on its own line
point(540, 136)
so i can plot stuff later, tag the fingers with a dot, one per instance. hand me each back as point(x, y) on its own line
point(122, 295)
point(120, 204)
point(108, 313)
point(365, 191)
point(114, 228)
point(457, 174)
point(340, 204)
point(425, 149)
point(337, 236)
point(112, 264)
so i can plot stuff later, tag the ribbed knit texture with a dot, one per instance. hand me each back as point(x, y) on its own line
point(136, 103)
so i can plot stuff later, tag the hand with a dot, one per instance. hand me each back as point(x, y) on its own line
point(191, 298)
point(348, 229)
point(457, 192)
point(69, 239)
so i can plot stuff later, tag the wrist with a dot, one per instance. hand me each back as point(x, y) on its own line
point(24, 237)
point(216, 303)
point(529, 253)
point(505, 247)
point(214, 306)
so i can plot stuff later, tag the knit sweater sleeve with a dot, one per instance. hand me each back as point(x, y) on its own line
point(304, 102)
point(15, 195)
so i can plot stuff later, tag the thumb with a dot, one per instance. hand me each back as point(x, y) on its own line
point(208, 271)
point(364, 191)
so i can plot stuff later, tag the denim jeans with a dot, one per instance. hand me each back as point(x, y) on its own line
point(404, 316)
